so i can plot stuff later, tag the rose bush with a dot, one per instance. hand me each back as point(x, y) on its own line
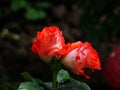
point(47, 42)
point(49, 45)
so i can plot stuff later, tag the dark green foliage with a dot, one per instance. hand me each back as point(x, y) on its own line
point(18, 4)
point(6, 84)
point(33, 11)
point(36, 84)
point(29, 86)
point(74, 85)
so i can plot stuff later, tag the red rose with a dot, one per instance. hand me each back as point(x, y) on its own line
point(47, 42)
point(78, 56)
point(111, 70)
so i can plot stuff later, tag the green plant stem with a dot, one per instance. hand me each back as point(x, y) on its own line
point(54, 79)
point(55, 67)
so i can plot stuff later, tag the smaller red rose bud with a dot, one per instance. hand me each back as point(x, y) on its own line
point(111, 68)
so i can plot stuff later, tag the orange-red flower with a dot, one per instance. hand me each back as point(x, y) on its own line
point(47, 42)
point(78, 56)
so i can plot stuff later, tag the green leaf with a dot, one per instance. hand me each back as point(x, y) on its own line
point(33, 14)
point(29, 86)
point(74, 85)
point(43, 4)
point(5, 31)
point(41, 14)
point(18, 4)
point(36, 81)
point(16, 37)
point(62, 76)
point(48, 85)
point(45, 84)
point(27, 76)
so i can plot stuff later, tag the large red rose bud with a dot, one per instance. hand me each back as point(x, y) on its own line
point(78, 56)
point(47, 42)
point(111, 69)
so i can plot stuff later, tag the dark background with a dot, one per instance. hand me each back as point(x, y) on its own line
point(96, 21)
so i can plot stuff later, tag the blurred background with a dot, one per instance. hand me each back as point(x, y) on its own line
point(96, 21)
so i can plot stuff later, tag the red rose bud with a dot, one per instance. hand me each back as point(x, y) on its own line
point(47, 42)
point(111, 69)
point(78, 56)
